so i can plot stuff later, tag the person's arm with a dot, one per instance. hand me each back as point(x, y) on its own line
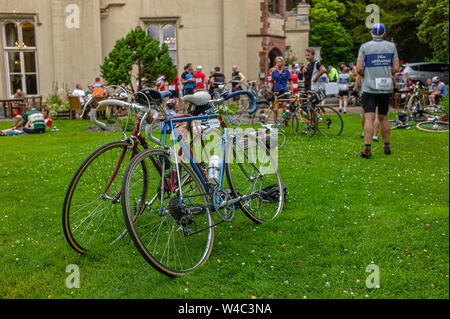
point(360, 68)
point(321, 71)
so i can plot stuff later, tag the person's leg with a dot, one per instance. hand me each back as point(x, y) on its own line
point(363, 119)
point(369, 105)
point(385, 129)
point(340, 103)
point(345, 103)
point(376, 128)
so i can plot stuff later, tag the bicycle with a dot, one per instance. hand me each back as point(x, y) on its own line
point(432, 124)
point(300, 117)
point(90, 203)
point(90, 213)
point(326, 119)
point(174, 231)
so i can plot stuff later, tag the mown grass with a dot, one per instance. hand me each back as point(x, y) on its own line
point(342, 214)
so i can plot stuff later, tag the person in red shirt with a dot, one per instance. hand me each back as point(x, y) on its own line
point(199, 77)
point(48, 120)
point(161, 83)
point(294, 78)
point(173, 88)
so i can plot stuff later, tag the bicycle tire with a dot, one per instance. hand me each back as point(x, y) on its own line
point(433, 126)
point(307, 122)
point(253, 174)
point(71, 224)
point(138, 229)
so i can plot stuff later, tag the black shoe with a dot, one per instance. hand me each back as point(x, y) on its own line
point(365, 155)
point(387, 152)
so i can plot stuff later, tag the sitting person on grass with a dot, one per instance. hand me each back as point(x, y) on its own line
point(48, 120)
point(33, 121)
point(16, 129)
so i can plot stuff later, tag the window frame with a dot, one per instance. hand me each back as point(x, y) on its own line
point(161, 25)
point(21, 49)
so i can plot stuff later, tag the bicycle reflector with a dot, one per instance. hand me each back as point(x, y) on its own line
point(317, 97)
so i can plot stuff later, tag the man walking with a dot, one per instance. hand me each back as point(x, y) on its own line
point(377, 62)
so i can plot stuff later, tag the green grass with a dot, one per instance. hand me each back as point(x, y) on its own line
point(342, 214)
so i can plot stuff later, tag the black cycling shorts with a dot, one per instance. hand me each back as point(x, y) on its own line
point(188, 91)
point(343, 93)
point(371, 102)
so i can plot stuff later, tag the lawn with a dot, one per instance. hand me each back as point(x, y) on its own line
point(342, 214)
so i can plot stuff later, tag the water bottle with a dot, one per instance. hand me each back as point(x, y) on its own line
point(285, 114)
point(214, 169)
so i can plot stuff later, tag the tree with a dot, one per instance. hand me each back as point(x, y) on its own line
point(137, 53)
point(328, 33)
point(401, 24)
point(434, 27)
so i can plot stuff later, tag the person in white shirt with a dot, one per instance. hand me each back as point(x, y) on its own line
point(80, 94)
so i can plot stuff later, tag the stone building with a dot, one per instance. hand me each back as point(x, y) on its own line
point(65, 41)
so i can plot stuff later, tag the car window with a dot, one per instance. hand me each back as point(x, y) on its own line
point(430, 68)
point(416, 67)
point(443, 67)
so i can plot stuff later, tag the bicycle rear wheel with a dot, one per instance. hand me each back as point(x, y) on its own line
point(329, 122)
point(433, 126)
point(253, 177)
point(175, 232)
point(91, 216)
point(307, 122)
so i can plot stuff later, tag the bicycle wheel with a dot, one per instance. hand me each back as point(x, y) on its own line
point(91, 215)
point(433, 126)
point(329, 122)
point(393, 124)
point(414, 106)
point(174, 233)
point(306, 122)
point(253, 177)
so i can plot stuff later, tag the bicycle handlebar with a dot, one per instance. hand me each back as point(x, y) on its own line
point(226, 96)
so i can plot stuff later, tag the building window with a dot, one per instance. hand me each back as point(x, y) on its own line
point(21, 57)
point(274, 6)
point(165, 33)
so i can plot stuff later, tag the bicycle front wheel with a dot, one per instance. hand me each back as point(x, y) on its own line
point(433, 126)
point(254, 178)
point(91, 214)
point(175, 231)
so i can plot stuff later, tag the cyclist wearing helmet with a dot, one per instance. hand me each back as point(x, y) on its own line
point(440, 90)
point(377, 63)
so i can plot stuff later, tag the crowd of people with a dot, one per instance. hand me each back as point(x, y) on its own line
point(33, 121)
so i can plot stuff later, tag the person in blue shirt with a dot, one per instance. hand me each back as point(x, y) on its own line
point(281, 77)
point(440, 90)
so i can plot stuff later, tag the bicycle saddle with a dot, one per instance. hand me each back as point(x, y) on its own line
point(152, 95)
point(199, 99)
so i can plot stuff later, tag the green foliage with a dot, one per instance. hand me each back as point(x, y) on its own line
point(140, 52)
point(434, 27)
point(444, 104)
point(401, 24)
point(328, 33)
point(231, 109)
point(58, 99)
point(130, 120)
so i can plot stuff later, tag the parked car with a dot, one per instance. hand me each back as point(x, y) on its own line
point(420, 72)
